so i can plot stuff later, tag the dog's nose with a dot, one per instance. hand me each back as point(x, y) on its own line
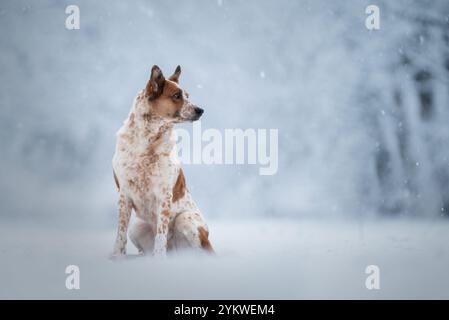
point(199, 111)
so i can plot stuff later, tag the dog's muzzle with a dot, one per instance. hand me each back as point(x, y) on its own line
point(198, 113)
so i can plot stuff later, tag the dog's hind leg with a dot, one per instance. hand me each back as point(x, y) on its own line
point(190, 231)
point(142, 236)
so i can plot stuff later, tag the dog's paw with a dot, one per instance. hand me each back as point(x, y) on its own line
point(160, 253)
point(117, 254)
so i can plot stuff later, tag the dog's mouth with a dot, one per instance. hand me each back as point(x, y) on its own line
point(191, 119)
point(194, 116)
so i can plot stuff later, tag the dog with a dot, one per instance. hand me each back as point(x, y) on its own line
point(148, 175)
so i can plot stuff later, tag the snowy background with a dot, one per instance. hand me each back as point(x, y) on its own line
point(363, 144)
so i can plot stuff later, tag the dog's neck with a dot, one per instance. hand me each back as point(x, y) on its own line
point(148, 132)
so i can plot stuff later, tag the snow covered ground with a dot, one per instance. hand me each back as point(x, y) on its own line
point(290, 259)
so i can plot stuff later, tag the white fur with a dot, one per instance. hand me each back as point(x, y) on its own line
point(146, 167)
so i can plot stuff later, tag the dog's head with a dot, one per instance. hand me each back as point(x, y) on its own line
point(167, 100)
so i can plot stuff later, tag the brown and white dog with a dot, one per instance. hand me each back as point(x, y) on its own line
point(148, 174)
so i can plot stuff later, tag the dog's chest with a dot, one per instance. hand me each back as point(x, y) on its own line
point(148, 174)
point(147, 168)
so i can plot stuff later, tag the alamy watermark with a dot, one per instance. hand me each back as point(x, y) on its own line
point(372, 22)
point(372, 282)
point(72, 282)
point(233, 146)
point(72, 22)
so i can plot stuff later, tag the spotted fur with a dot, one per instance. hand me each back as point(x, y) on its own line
point(148, 174)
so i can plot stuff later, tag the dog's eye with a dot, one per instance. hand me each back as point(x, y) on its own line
point(177, 96)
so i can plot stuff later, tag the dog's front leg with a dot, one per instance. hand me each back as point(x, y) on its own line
point(163, 220)
point(124, 209)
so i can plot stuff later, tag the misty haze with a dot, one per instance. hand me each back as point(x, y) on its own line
point(360, 174)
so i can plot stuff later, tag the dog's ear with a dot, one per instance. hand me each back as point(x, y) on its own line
point(175, 76)
point(155, 85)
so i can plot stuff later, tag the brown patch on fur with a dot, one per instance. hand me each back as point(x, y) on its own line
point(116, 180)
point(132, 122)
point(165, 105)
point(155, 85)
point(205, 244)
point(132, 183)
point(179, 188)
